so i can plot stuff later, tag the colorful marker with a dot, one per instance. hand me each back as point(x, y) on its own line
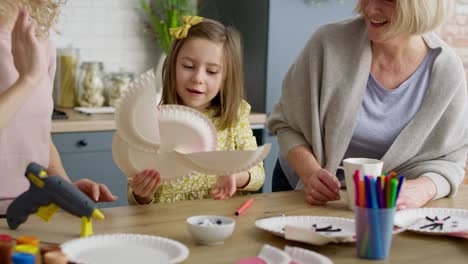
point(244, 207)
point(356, 188)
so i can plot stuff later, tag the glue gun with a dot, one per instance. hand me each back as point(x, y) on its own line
point(46, 195)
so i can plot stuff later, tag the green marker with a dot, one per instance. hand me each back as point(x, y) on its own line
point(394, 188)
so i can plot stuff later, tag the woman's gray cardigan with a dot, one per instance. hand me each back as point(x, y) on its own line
point(323, 91)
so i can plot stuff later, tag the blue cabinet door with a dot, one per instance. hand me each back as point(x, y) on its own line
point(89, 155)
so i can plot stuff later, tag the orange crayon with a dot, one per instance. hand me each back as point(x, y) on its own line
point(244, 207)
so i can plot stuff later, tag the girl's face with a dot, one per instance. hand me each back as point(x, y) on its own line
point(378, 15)
point(199, 72)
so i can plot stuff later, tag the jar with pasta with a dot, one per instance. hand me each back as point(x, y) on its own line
point(65, 80)
point(91, 84)
point(116, 84)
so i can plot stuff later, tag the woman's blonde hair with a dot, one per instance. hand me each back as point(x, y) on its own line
point(415, 17)
point(45, 14)
point(228, 101)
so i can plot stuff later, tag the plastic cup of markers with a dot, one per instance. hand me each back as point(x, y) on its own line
point(374, 229)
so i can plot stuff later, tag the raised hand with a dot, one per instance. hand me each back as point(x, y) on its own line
point(144, 185)
point(321, 187)
point(27, 55)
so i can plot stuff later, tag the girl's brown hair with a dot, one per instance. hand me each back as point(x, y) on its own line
point(228, 101)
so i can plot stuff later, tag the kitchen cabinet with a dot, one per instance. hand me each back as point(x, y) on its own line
point(274, 33)
point(89, 155)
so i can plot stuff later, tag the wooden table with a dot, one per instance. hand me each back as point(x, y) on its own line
point(168, 220)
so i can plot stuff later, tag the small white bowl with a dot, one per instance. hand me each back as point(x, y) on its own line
point(210, 229)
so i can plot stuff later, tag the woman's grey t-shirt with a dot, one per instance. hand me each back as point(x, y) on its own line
point(383, 115)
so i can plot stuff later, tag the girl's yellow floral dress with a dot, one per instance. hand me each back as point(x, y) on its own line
point(199, 186)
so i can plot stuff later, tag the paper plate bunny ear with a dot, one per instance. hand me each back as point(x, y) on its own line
point(172, 139)
point(135, 114)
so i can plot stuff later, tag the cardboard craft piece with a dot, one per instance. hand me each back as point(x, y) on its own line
point(172, 139)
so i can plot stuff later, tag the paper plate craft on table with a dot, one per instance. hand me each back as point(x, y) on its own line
point(172, 139)
point(296, 255)
point(316, 230)
point(303, 256)
point(437, 221)
point(134, 248)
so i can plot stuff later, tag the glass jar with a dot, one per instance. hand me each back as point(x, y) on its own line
point(91, 84)
point(116, 84)
point(65, 79)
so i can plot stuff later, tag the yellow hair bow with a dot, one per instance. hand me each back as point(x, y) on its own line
point(182, 31)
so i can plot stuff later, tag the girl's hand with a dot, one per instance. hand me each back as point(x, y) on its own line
point(144, 185)
point(96, 191)
point(416, 193)
point(28, 58)
point(225, 187)
point(321, 187)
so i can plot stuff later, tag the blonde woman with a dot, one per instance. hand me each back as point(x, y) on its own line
point(379, 86)
point(27, 69)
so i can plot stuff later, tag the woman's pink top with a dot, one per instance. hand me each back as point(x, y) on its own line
point(26, 137)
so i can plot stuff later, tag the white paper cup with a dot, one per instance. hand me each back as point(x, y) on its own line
point(369, 167)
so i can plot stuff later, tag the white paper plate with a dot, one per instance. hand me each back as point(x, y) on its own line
point(433, 220)
point(95, 110)
point(185, 130)
point(340, 227)
point(174, 166)
point(124, 248)
point(145, 126)
point(224, 162)
point(132, 161)
point(273, 255)
point(172, 139)
point(135, 113)
point(304, 256)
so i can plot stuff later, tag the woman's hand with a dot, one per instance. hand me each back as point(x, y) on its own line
point(144, 185)
point(96, 191)
point(321, 187)
point(28, 58)
point(225, 187)
point(416, 193)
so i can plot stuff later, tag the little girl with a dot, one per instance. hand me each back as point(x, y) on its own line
point(203, 70)
point(27, 69)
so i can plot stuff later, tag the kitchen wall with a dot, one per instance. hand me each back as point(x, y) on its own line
point(455, 31)
point(110, 31)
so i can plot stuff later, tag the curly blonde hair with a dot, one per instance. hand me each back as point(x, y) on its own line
point(45, 13)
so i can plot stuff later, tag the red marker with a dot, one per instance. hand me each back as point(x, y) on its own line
point(244, 207)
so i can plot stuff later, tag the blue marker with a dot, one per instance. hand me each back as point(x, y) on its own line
point(400, 182)
point(367, 184)
point(375, 203)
